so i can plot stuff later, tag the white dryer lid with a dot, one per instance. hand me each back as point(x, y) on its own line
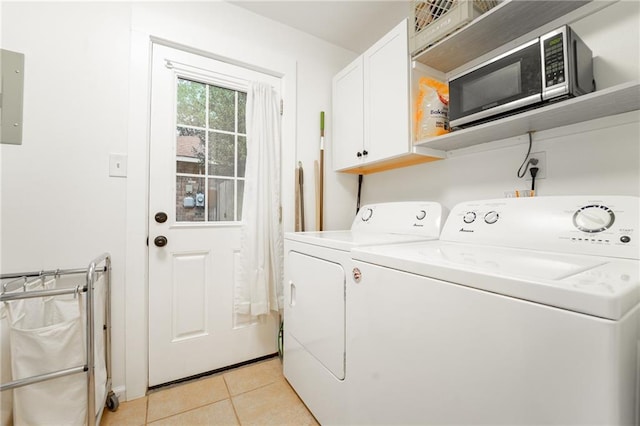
point(346, 240)
point(594, 285)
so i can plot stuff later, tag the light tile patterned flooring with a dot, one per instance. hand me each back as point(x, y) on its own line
point(254, 394)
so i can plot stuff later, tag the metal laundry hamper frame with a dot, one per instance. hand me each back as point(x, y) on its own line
point(111, 399)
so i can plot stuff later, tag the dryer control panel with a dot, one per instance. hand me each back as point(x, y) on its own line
point(597, 225)
point(422, 218)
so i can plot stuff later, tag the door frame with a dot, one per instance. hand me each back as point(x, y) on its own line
point(136, 277)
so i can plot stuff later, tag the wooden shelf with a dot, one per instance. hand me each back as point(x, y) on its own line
point(410, 159)
point(500, 25)
point(607, 102)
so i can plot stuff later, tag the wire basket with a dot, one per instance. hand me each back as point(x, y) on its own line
point(435, 19)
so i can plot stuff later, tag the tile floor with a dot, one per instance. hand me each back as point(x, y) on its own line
point(255, 394)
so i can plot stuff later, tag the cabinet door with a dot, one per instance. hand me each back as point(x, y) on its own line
point(348, 130)
point(386, 96)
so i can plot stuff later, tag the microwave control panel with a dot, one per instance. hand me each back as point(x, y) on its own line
point(554, 60)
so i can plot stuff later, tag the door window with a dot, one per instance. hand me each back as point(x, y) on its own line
point(211, 150)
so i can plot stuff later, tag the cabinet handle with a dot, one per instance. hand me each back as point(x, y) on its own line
point(359, 154)
point(365, 152)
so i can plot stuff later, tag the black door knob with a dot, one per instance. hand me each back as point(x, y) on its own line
point(160, 241)
point(365, 152)
point(160, 217)
point(358, 154)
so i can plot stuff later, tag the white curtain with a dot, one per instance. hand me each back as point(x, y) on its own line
point(260, 274)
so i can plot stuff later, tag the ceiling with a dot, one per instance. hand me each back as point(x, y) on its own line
point(354, 25)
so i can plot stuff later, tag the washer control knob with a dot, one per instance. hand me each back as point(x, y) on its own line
point(491, 217)
point(366, 214)
point(469, 217)
point(593, 218)
point(421, 215)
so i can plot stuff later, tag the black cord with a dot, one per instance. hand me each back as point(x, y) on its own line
point(360, 177)
point(521, 171)
point(281, 339)
point(534, 172)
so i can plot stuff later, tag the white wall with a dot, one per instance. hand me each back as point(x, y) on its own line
point(85, 97)
point(604, 160)
point(60, 209)
point(589, 158)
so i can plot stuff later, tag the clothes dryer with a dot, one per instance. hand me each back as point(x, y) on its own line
point(316, 268)
point(525, 311)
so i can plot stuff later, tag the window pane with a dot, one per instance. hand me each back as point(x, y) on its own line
point(221, 197)
point(221, 154)
point(240, 198)
point(189, 199)
point(222, 109)
point(242, 155)
point(192, 100)
point(210, 142)
point(242, 105)
point(190, 149)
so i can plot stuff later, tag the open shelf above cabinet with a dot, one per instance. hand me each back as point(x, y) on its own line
point(607, 102)
point(500, 25)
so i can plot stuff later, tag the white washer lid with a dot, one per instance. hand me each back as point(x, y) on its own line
point(594, 285)
point(346, 240)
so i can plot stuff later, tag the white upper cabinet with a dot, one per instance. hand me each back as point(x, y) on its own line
point(348, 116)
point(386, 96)
point(371, 109)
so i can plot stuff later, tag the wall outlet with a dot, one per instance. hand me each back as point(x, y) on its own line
point(542, 165)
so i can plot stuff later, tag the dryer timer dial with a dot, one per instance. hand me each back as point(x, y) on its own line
point(491, 217)
point(469, 217)
point(593, 218)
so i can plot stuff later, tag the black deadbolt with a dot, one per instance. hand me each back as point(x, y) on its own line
point(161, 217)
point(160, 241)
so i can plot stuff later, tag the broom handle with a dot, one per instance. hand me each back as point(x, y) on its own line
point(321, 219)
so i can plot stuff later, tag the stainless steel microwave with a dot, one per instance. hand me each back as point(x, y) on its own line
point(551, 67)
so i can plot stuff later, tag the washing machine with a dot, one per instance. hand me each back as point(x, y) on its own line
point(524, 312)
point(315, 292)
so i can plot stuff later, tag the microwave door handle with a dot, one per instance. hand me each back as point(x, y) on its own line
point(519, 103)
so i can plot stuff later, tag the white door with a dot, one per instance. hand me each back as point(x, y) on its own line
point(196, 180)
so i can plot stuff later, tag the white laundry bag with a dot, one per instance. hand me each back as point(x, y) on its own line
point(5, 356)
point(46, 335)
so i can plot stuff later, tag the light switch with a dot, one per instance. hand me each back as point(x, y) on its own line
point(118, 165)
